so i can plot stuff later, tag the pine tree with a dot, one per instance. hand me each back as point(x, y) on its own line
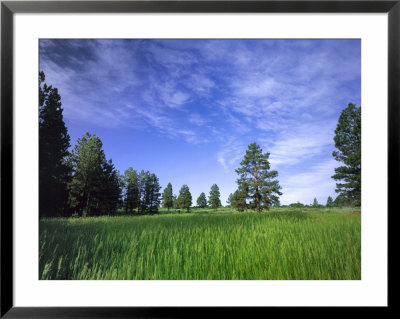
point(202, 201)
point(110, 190)
point(154, 196)
point(168, 197)
point(342, 201)
point(239, 197)
point(213, 198)
point(86, 160)
point(142, 178)
point(184, 199)
point(149, 192)
point(263, 188)
point(329, 202)
point(95, 186)
point(131, 190)
point(315, 203)
point(54, 141)
point(348, 143)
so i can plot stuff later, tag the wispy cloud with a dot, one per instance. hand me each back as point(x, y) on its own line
point(313, 182)
point(229, 157)
point(166, 56)
point(197, 119)
point(300, 143)
point(170, 95)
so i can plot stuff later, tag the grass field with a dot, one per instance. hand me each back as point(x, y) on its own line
point(279, 244)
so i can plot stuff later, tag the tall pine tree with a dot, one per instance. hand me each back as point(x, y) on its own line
point(153, 194)
point(168, 197)
point(131, 201)
point(202, 200)
point(110, 189)
point(95, 186)
point(329, 202)
point(184, 199)
point(348, 143)
point(239, 197)
point(149, 192)
point(54, 141)
point(214, 199)
point(263, 187)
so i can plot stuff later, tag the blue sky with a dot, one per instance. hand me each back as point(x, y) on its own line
point(187, 109)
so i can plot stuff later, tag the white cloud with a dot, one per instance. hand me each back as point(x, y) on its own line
point(197, 119)
point(177, 98)
point(300, 142)
point(313, 183)
point(259, 87)
point(167, 56)
point(295, 149)
point(230, 156)
point(168, 94)
point(200, 84)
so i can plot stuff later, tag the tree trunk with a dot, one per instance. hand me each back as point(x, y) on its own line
point(257, 195)
point(87, 205)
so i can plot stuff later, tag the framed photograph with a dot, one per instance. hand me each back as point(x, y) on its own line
point(166, 158)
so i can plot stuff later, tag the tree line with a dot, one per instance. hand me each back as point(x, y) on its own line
point(315, 204)
point(84, 182)
point(81, 182)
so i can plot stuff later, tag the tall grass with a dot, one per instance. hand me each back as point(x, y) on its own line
point(285, 244)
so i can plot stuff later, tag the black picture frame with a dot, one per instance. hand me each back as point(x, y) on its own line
point(9, 8)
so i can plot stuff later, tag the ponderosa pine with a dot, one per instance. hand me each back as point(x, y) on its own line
point(263, 187)
point(54, 141)
point(348, 143)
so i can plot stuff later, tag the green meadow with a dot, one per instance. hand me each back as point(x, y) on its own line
point(281, 244)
